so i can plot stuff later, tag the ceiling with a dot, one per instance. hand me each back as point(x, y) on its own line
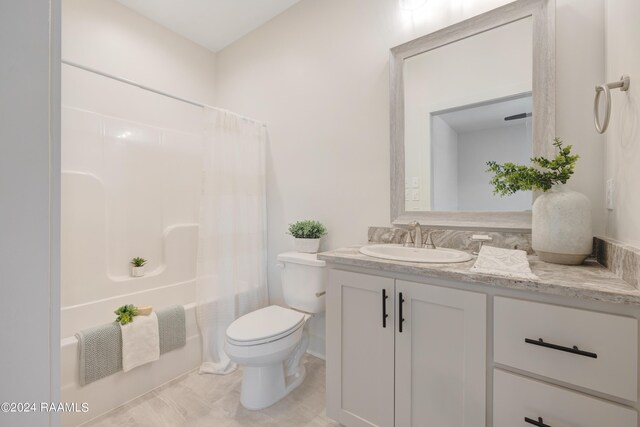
point(213, 24)
point(487, 115)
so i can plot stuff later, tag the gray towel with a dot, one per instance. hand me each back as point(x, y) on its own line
point(172, 328)
point(100, 347)
point(100, 352)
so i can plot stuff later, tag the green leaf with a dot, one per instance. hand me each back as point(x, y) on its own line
point(307, 229)
point(126, 313)
point(510, 178)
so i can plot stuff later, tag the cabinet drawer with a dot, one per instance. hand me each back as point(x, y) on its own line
point(613, 339)
point(558, 407)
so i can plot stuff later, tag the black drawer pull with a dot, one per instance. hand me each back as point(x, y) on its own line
point(574, 349)
point(539, 423)
point(400, 316)
point(384, 308)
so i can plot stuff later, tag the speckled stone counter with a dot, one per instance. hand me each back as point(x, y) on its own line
point(590, 281)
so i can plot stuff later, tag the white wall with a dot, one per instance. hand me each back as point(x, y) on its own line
point(623, 136)
point(444, 180)
point(318, 74)
point(29, 194)
point(107, 36)
point(475, 149)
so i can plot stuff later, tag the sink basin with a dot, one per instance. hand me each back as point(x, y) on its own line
point(410, 254)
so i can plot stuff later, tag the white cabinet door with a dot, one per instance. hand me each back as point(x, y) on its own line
point(360, 349)
point(440, 357)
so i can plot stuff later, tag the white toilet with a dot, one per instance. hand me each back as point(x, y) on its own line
point(269, 343)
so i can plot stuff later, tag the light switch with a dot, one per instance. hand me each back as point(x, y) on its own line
point(415, 182)
point(611, 192)
point(415, 195)
point(407, 195)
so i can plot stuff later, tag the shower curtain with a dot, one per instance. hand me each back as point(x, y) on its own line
point(231, 268)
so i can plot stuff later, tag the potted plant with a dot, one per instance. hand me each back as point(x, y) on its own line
point(137, 266)
point(307, 235)
point(561, 218)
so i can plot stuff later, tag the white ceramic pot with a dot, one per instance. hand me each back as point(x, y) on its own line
point(137, 271)
point(309, 246)
point(561, 228)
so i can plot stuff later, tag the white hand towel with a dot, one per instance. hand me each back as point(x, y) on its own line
point(503, 262)
point(140, 341)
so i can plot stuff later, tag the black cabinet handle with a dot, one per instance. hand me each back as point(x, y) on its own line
point(539, 423)
point(574, 349)
point(400, 317)
point(384, 308)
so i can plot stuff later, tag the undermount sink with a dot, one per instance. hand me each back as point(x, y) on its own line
point(411, 254)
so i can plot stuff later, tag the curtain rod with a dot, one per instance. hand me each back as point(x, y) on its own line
point(156, 91)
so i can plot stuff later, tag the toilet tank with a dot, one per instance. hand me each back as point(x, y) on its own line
point(303, 281)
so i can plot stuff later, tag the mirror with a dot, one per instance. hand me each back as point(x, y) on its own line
point(477, 91)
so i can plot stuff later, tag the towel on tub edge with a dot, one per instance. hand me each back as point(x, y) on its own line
point(100, 347)
point(140, 342)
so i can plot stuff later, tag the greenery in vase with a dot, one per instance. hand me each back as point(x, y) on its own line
point(509, 178)
point(126, 313)
point(307, 229)
point(138, 262)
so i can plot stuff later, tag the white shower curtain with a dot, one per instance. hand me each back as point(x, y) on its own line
point(231, 269)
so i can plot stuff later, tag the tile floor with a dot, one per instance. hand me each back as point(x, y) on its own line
point(195, 400)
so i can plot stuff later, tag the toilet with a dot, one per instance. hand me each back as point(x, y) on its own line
point(269, 343)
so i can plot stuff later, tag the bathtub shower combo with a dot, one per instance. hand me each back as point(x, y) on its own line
point(134, 184)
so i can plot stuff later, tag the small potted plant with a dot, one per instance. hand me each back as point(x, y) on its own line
point(137, 266)
point(307, 235)
point(561, 218)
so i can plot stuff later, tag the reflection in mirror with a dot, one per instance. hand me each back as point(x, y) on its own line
point(464, 139)
point(456, 100)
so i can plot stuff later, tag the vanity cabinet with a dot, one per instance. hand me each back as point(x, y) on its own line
point(414, 350)
point(400, 352)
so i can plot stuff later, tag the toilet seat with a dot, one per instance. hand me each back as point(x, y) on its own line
point(264, 325)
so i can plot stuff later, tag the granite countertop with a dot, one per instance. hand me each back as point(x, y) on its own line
point(589, 281)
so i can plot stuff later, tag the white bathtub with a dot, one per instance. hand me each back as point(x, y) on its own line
point(110, 392)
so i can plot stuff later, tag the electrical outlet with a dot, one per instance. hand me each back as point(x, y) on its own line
point(611, 192)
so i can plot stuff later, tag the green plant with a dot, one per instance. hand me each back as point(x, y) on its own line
point(138, 262)
point(510, 178)
point(126, 314)
point(307, 229)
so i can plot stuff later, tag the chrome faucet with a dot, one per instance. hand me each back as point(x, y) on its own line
point(417, 240)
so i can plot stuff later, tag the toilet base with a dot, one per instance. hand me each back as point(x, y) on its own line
point(262, 386)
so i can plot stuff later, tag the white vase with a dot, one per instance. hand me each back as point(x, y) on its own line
point(561, 228)
point(309, 246)
point(137, 271)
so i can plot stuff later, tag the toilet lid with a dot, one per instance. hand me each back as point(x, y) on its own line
point(265, 323)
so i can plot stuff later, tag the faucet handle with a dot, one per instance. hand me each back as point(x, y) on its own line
point(408, 240)
point(480, 238)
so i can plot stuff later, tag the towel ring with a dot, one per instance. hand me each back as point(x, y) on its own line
point(623, 84)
